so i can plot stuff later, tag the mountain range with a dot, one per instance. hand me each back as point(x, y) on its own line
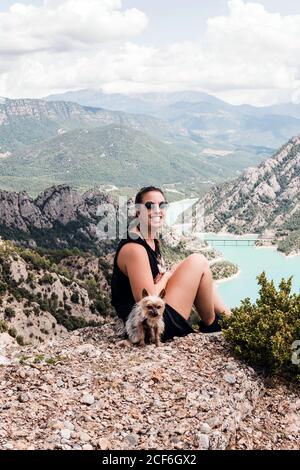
point(153, 103)
point(113, 154)
point(29, 121)
point(203, 116)
point(44, 143)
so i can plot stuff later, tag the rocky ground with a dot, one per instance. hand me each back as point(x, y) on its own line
point(85, 391)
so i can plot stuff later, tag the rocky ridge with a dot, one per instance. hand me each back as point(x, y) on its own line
point(85, 391)
point(262, 200)
point(59, 217)
point(34, 120)
point(40, 299)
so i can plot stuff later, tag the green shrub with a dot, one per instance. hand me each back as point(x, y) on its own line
point(3, 287)
point(12, 332)
point(101, 302)
point(9, 313)
point(20, 340)
point(263, 333)
point(17, 293)
point(36, 260)
point(31, 277)
point(47, 278)
point(69, 322)
point(75, 298)
point(3, 326)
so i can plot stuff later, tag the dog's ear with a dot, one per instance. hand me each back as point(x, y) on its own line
point(144, 293)
point(162, 293)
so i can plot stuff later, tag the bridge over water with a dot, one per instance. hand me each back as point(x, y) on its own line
point(239, 241)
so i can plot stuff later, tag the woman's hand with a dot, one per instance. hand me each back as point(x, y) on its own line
point(166, 276)
point(157, 278)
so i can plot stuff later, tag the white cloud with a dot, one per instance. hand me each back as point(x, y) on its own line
point(250, 55)
point(65, 25)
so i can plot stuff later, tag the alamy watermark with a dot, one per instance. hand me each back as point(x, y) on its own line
point(296, 352)
point(116, 218)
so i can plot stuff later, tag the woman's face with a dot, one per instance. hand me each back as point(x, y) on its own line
point(152, 217)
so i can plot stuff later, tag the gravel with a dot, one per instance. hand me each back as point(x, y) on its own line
point(190, 393)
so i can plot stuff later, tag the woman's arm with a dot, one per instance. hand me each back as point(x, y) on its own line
point(162, 281)
point(138, 270)
point(170, 271)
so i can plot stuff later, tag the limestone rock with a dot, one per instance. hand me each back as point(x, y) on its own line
point(99, 396)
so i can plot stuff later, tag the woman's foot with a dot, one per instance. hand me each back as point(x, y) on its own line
point(214, 327)
point(227, 312)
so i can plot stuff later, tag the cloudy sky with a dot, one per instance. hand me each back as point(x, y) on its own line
point(240, 51)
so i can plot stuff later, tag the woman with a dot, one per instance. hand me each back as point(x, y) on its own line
point(138, 264)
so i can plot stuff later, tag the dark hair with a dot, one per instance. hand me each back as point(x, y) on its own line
point(144, 190)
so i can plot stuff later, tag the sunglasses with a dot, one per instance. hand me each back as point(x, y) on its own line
point(150, 205)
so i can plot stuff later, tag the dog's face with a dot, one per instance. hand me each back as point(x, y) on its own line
point(153, 305)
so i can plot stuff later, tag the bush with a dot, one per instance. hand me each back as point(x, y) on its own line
point(36, 260)
point(263, 333)
point(9, 313)
point(68, 321)
point(20, 340)
point(47, 278)
point(3, 287)
point(75, 298)
point(3, 326)
point(12, 332)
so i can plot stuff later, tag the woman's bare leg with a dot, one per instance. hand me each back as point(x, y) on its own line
point(219, 305)
point(204, 300)
point(191, 279)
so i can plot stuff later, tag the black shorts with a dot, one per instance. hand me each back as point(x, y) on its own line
point(175, 324)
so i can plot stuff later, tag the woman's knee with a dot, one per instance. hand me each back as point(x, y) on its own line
point(198, 260)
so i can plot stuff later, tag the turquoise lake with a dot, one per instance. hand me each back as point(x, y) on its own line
point(252, 261)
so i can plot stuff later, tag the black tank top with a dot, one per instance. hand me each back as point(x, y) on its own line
point(121, 294)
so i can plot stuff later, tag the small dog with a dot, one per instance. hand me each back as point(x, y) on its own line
point(145, 323)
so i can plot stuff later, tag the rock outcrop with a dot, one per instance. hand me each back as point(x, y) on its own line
point(58, 217)
point(263, 200)
point(84, 391)
point(40, 299)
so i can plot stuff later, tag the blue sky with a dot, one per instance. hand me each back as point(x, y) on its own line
point(176, 20)
point(239, 50)
point(179, 20)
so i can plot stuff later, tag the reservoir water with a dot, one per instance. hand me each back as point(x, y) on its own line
point(251, 261)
